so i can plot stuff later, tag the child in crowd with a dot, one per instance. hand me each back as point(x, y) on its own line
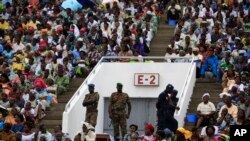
point(133, 135)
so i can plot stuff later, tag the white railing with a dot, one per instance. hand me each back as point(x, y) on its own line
point(186, 94)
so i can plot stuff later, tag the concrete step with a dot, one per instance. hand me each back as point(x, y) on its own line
point(54, 116)
point(200, 88)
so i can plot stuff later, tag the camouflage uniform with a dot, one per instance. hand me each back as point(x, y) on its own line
point(91, 103)
point(118, 113)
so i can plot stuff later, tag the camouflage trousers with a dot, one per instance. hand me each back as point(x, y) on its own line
point(91, 118)
point(119, 121)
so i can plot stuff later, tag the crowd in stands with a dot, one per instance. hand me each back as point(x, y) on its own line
point(216, 33)
point(44, 46)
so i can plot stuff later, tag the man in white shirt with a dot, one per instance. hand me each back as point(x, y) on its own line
point(18, 45)
point(43, 133)
point(205, 110)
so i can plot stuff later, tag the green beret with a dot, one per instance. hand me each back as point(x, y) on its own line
point(119, 84)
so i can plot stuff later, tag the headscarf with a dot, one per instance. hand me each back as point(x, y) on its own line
point(90, 136)
point(150, 127)
point(205, 94)
point(185, 132)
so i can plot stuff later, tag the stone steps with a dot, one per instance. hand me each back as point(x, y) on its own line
point(201, 87)
point(54, 115)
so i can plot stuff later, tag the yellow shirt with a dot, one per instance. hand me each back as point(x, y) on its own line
point(32, 24)
point(4, 25)
point(233, 110)
point(25, 26)
point(17, 66)
point(7, 136)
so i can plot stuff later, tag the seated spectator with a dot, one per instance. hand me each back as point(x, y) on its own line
point(183, 135)
point(43, 133)
point(232, 109)
point(87, 132)
point(174, 11)
point(210, 134)
point(7, 134)
point(210, 64)
point(59, 135)
point(240, 117)
point(133, 132)
point(228, 79)
point(125, 51)
point(225, 120)
point(62, 82)
point(148, 133)
point(11, 116)
point(206, 110)
point(27, 134)
point(28, 112)
point(4, 101)
point(18, 126)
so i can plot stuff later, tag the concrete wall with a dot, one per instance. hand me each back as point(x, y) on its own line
point(105, 77)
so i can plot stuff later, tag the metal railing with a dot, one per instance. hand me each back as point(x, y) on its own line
point(117, 58)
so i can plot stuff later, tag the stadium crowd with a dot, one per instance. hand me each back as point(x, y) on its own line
point(216, 33)
point(43, 46)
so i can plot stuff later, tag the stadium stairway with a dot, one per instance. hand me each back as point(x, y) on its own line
point(161, 39)
point(201, 87)
point(54, 115)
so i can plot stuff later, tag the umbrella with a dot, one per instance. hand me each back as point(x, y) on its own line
point(72, 4)
point(87, 3)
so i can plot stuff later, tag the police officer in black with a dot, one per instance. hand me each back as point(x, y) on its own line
point(165, 118)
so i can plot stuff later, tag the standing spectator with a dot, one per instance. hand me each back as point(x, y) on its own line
point(117, 111)
point(91, 102)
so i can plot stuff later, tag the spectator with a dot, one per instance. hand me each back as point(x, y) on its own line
point(18, 126)
point(210, 131)
point(183, 135)
point(7, 134)
point(87, 132)
point(133, 133)
point(211, 63)
point(27, 133)
point(206, 110)
point(148, 133)
point(62, 82)
point(43, 133)
point(232, 109)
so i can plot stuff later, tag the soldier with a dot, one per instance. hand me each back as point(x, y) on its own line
point(91, 103)
point(117, 111)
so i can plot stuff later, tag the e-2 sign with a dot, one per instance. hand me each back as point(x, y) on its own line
point(146, 79)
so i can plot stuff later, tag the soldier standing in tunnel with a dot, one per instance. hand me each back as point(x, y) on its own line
point(117, 111)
